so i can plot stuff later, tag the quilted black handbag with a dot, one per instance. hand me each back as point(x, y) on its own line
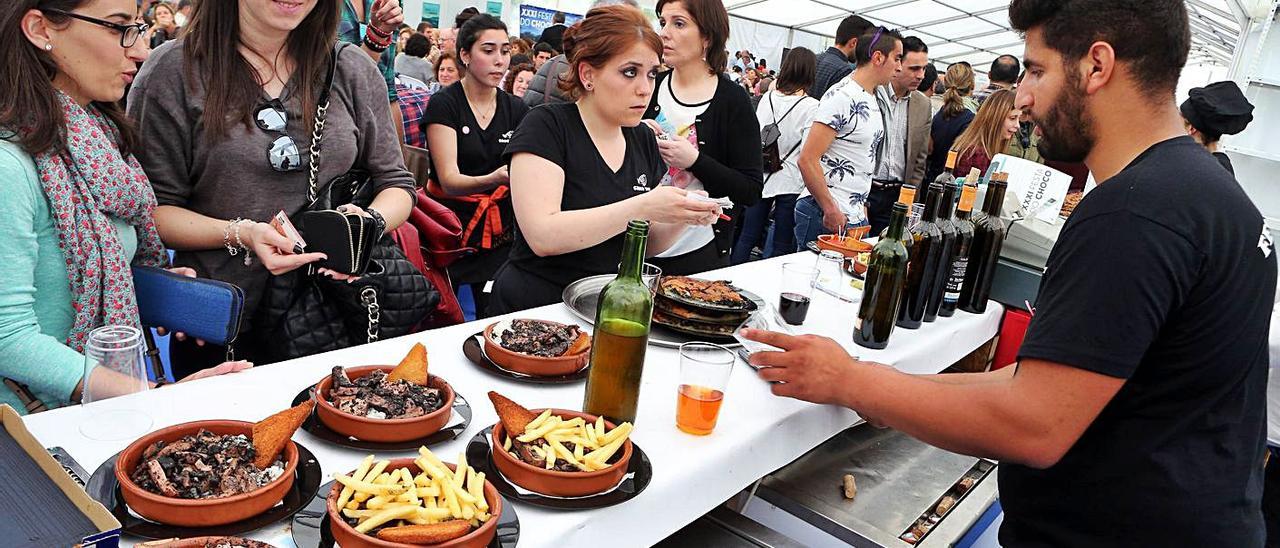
point(304, 313)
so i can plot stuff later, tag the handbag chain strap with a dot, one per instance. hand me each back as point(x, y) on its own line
point(317, 130)
point(369, 296)
point(317, 133)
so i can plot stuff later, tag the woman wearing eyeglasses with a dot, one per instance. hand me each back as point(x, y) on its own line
point(78, 208)
point(226, 119)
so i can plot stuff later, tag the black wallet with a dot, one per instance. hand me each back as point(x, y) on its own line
point(347, 239)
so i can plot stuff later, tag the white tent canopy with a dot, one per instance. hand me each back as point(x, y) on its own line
point(976, 31)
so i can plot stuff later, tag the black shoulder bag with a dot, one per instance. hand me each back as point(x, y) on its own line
point(769, 136)
point(304, 313)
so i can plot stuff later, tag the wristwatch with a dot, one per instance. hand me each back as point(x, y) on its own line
point(377, 218)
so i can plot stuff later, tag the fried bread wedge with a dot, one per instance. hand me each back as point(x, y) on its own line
point(271, 434)
point(514, 416)
point(580, 345)
point(434, 533)
point(413, 367)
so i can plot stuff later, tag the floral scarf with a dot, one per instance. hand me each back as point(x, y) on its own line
point(86, 184)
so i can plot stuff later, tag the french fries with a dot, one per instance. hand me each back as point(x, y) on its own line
point(376, 497)
point(550, 437)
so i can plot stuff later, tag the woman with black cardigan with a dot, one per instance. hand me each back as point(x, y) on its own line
point(706, 128)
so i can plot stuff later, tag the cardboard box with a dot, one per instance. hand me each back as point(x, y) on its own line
point(41, 504)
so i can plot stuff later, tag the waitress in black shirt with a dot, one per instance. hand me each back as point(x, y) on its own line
point(468, 124)
point(580, 171)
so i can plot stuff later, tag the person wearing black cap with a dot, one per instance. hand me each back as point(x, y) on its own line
point(1213, 111)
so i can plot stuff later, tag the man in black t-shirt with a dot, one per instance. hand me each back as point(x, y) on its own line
point(1136, 413)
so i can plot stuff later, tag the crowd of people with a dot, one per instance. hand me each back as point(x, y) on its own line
point(663, 112)
point(132, 133)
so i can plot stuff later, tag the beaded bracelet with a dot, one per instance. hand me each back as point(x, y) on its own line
point(233, 229)
point(374, 46)
point(381, 33)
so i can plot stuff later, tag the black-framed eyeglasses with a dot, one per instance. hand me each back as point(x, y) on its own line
point(128, 33)
point(283, 152)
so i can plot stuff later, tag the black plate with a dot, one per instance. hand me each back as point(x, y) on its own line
point(753, 301)
point(104, 488)
point(473, 349)
point(639, 474)
point(316, 428)
point(311, 524)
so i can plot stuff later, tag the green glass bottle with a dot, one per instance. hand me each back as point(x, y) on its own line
point(621, 335)
point(882, 292)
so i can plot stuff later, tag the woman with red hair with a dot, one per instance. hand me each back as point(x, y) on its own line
point(580, 171)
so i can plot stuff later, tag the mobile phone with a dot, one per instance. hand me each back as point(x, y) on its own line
point(285, 227)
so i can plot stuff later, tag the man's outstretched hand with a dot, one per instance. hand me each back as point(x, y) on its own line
point(810, 368)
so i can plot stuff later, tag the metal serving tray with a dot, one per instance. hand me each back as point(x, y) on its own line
point(899, 479)
point(583, 296)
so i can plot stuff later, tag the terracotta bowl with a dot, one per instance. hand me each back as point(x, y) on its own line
point(200, 512)
point(347, 536)
point(534, 365)
point(382, 430)
point(850, 247)
point(555, 482)
point(855, 266)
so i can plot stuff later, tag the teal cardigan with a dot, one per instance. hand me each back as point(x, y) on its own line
point(35, 296)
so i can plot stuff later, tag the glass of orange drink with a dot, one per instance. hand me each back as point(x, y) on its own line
point(704, 375)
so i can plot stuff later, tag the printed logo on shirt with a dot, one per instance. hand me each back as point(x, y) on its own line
point(506, 137)
point(642, 183)
point(1265, 243)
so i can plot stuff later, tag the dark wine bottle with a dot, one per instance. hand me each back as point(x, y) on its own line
point(988, 238)
point(947, 177)
point(939, 283)
point(961, 245)
point(621, 335)
point(924, 252)
point(882, 292)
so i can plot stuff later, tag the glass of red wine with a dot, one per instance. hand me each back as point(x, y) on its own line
point(797, 289)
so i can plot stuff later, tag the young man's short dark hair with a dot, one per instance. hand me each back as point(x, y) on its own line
point(913, 44)
point(930, 76)
point(876, 40)
point(558, 18)
point(1151, 36)
point(417, 46)
point(1005, 69)
point(424, 26)
point(543, 47)
point(851, 27)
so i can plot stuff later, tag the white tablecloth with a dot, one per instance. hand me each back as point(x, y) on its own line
point(757, 432)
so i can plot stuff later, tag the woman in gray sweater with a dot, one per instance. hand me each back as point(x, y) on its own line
point(225, 120)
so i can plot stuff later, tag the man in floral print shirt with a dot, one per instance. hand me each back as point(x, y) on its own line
point(843, 147)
